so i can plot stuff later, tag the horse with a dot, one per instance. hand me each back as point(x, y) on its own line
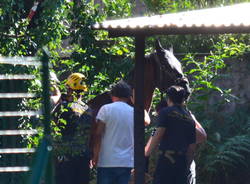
point(162, 70)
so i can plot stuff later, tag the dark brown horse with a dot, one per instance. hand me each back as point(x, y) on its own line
point(162, 69)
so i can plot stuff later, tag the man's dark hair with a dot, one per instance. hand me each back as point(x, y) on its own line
point(177, 94)
point(162, 104)
point(121, 90)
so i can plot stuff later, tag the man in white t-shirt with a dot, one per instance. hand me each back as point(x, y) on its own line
point(114, 138)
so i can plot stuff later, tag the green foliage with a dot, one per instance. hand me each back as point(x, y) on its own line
point(233, 45)
point(170, 6)
point(224, 158)
point(117, 8)
point(19, 36)
point(101, 59)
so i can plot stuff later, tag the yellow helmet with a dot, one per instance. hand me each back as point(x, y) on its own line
point(76, 82)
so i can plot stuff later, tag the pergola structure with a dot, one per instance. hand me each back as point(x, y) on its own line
point(228, 19)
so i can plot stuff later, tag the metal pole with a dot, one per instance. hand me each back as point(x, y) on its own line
point(139, 141)
point(47, 116)
point(44, 163)
point(46, 95)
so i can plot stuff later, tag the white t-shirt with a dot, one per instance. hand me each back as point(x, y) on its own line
point(117, 147)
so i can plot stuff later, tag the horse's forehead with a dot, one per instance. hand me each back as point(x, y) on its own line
point(173, 61)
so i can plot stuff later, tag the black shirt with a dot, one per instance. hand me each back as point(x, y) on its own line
point(73, 121)
point(180, 128)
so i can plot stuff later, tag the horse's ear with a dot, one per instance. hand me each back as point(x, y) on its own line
point(171, 49)
point(158, 46)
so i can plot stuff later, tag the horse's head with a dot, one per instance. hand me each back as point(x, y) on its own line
point(168, 70)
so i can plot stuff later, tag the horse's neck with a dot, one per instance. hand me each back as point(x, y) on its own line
point(149, 81)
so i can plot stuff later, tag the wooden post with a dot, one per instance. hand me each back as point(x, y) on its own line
point(139, 110)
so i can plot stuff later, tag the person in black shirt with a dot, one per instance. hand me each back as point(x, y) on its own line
point(73, 120)
point(177, 130)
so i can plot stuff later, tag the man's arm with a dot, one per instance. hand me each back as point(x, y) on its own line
point(201, 135)
point(55, 95)
point(190, 153)
point(154, 141)
point(147, 120)
point(100, 128)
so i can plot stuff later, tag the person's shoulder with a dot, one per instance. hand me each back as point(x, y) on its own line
point(107, 106)
point(129, 107)
point(167, 110)
point(123, 105)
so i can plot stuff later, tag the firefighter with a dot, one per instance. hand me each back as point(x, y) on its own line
point(73, 120)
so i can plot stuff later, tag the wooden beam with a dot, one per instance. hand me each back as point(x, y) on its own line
point(139, 133)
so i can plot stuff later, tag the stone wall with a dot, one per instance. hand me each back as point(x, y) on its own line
point(236, 76)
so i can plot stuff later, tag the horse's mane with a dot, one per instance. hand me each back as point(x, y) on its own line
point(96, 103)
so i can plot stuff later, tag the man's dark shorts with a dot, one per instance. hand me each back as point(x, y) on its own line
point(73, 170)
